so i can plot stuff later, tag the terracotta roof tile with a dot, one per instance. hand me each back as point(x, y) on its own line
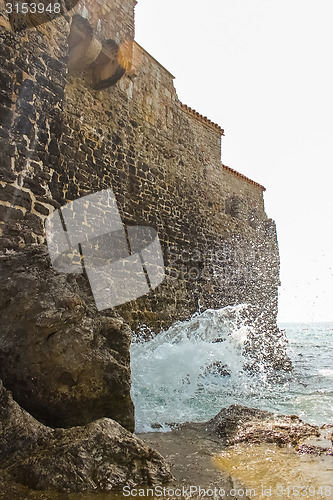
point(202, 118)
point(238, 174)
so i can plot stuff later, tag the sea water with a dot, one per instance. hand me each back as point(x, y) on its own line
point(196, 367)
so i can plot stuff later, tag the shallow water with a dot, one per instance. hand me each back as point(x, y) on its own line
point(280, 472)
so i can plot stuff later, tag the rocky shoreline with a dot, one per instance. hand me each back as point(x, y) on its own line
point(244, 449)
point(101, 455)
point(39, 462)
point(66, 414)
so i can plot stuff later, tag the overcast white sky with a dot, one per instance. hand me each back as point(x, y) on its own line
point(262, 69)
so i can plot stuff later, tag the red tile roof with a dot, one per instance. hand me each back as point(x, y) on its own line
point(206, 120)
point(238, 174)
point(202, 118)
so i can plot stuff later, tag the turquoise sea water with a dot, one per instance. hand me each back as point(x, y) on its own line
point(173, 381)
point(309, 393)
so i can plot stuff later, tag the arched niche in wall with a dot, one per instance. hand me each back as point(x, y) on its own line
point(102, 62)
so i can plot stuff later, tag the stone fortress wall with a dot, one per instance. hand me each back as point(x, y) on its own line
point(61, 139)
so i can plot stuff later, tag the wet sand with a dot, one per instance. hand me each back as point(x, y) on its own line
point(191, 453)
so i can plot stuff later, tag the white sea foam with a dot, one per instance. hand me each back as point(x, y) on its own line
point(326, 373)
point(173, 372)
point(196, 367)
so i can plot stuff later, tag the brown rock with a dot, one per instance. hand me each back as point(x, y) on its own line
point(19, 432)
point(66, 363)
point(238, 424)
point(314, 450)
point(99, 456)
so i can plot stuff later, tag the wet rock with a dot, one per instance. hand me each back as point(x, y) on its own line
point(217, 368)
point(322, 445)
point(314, 450)
point(265, 346)
point(238, 424)
point(66, 363)
point(327, 426)
point(99, 456)
point(19, 432)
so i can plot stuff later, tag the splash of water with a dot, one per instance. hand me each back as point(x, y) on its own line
point(197, 367)
point(191, 370)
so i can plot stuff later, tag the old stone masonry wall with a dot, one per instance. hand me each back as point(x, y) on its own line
point(84, 108)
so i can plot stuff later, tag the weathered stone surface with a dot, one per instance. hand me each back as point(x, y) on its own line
point(20, 433)
point(162, 159)
point(266, 344)
point(99, 456)
point(238, 424)
point(314, 450)
point(65, 362)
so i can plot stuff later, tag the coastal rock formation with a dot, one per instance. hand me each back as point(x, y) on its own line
point(99, 456)
point(239, 424)
point(20, 433)
point(65, 362)
point(242, 448)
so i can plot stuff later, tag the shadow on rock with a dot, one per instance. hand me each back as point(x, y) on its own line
point(66, 363)
point(100, 456)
